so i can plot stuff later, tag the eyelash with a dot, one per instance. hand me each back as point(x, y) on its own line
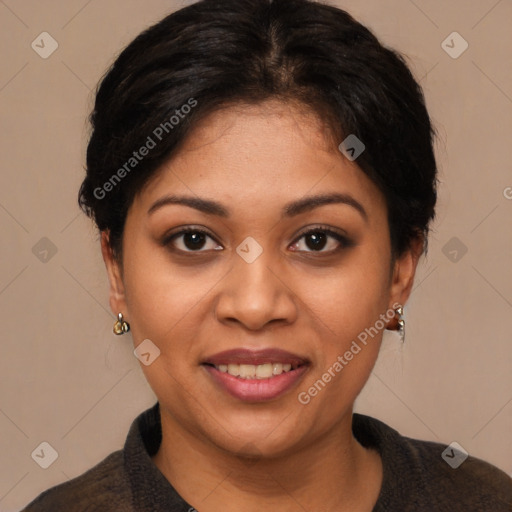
point(344, 242)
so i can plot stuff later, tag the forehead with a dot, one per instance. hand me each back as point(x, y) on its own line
point(255, 155)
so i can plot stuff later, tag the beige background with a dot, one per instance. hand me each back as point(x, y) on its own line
point(67, 380)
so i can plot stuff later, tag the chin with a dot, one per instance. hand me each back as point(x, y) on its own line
point(258, 435)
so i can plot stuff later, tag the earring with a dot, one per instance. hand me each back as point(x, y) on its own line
point(398, 324)
point(121, 326)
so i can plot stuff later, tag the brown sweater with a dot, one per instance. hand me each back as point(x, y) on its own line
point(416, 478)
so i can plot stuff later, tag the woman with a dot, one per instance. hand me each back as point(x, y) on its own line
point(263, 177)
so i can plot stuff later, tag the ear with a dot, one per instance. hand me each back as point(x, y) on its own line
point(404, 271)
point(115, 276)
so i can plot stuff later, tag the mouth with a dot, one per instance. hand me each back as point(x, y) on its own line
point(256, 376)
point(252, 371)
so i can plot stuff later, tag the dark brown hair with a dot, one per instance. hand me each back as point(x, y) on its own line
point(218, 52)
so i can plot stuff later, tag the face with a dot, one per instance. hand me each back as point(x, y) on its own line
point(284, 262)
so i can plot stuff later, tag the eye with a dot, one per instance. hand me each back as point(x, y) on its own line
point(319, 238)
point(191, 240)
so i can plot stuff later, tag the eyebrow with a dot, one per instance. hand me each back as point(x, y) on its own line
point(291, 209)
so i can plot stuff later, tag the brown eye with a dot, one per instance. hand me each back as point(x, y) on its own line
point(192, 240)
point(318, 239)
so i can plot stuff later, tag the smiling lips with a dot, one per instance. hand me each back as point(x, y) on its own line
point(256, 375)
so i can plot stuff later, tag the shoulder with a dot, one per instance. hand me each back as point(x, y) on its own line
point(426, 475)
point(457, 478)
point(96, 489)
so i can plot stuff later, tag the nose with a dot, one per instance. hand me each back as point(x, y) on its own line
point(255, 294)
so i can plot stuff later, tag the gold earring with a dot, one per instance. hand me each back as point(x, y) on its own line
point(121, 326)
point(398, 324)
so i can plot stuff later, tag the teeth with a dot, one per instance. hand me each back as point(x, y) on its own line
point(251, 371)
point(247, 370)
point(264, 371)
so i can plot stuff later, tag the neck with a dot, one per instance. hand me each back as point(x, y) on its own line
point(336, 472)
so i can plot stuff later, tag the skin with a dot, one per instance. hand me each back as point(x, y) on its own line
point(221, 453)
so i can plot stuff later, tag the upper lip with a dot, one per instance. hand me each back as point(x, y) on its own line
point(261, 356)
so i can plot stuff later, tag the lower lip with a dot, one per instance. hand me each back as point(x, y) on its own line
point(257, 390)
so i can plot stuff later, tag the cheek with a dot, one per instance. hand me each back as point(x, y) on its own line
point(168, 305)
point(350, 298)
point(162, 297)
point(346, 307)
